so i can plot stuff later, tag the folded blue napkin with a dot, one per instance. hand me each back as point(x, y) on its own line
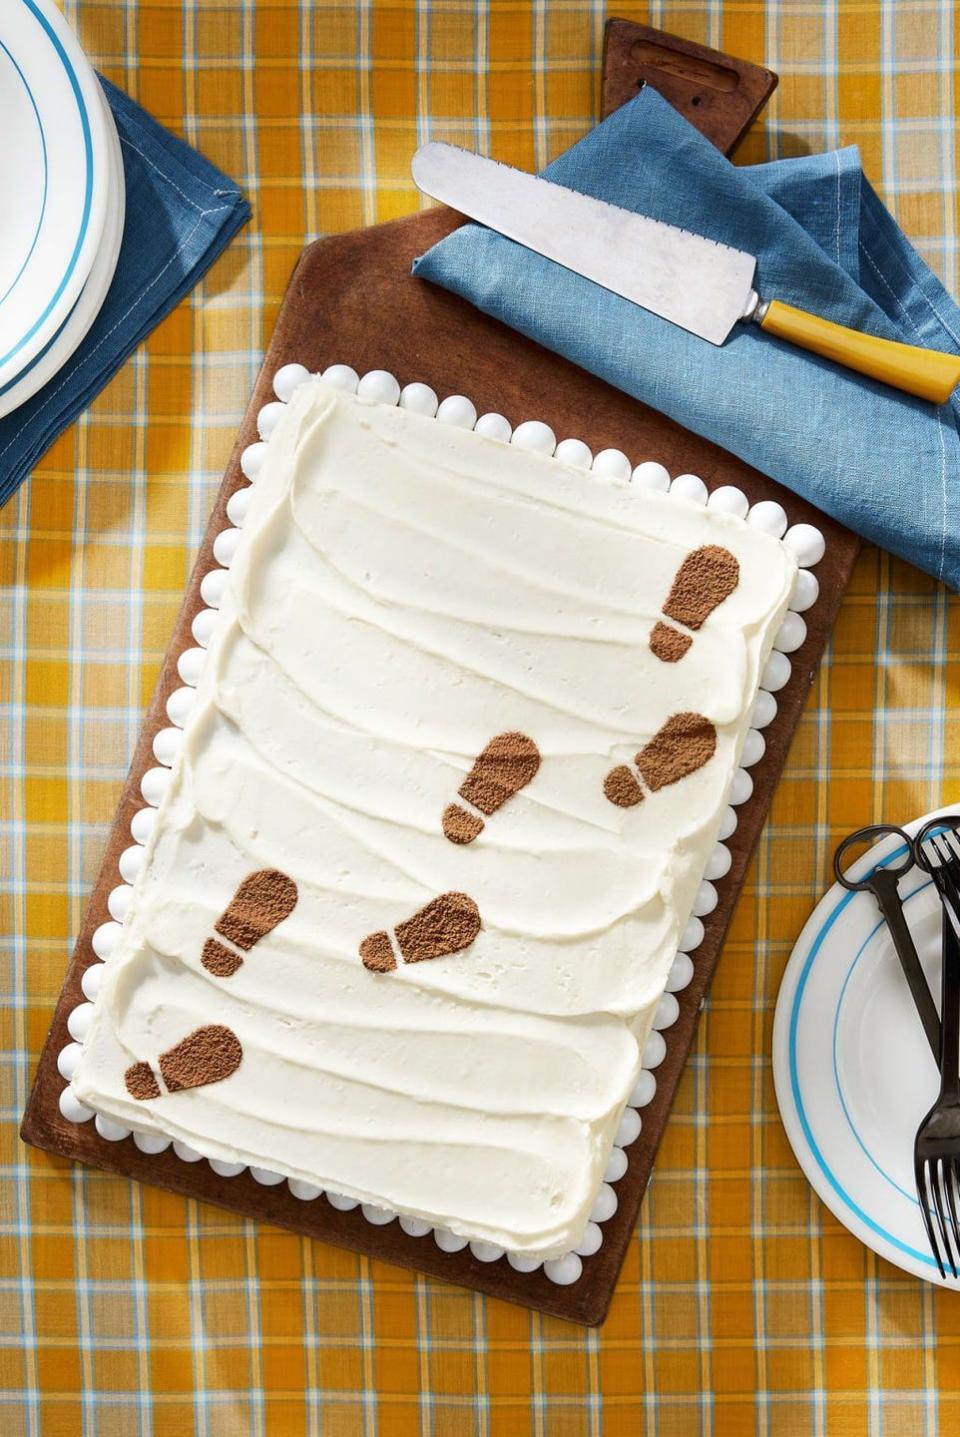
point(181, 213)
point(881, 462)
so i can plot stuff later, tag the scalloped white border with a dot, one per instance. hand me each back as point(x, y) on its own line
point(379, 386)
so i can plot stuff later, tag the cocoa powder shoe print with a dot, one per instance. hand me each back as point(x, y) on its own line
point(445, 925)
point(706, 577)
point(262, 901)
point(207, 1055)
point(505, 766)
point(682, 745)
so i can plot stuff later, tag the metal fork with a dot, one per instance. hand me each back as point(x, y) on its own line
point(936, 1150)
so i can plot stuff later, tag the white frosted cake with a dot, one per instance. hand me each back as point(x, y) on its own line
point(460, 753)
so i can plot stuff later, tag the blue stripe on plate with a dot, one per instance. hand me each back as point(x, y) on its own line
point(88, 194)
point(46, 176)
point(911, 1197)
point(822, 1164)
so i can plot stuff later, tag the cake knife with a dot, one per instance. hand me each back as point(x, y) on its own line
point(699, 284)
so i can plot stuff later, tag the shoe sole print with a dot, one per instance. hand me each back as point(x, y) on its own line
point(706, 577)
point(682, 745)
point(207, 1055)
point(505, 766)
point(212, 1053)
point(262, 901)
point(445, 925)
point(449, 924)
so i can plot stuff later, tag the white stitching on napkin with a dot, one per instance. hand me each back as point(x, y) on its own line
point(897, 301)
point(103, 339)
point(943, 490)
point(836, 228)
point(173, 184)
point(943, 451)
point(891, 291)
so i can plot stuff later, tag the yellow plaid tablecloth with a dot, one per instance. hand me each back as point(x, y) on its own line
point(743, 1307)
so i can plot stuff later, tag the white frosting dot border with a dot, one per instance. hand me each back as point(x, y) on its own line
point(380, 386)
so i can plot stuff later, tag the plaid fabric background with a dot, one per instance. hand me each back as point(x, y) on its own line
point(743, 1306)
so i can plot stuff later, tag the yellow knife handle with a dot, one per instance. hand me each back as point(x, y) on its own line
point(927, 373)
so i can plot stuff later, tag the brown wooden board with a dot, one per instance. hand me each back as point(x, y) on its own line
point(352, 300)
point(722, 96)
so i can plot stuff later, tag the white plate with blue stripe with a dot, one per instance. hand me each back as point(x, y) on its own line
point(54, 356)
point(55, 178)
point(853, 1073)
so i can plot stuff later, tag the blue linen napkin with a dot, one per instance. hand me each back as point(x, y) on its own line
point(881, 462)
point(181, 214)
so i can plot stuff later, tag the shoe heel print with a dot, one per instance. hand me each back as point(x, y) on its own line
point(706, 577)
point(207, 1055)
point(262, 901)
point(684, 743)
point(505, 766)
point(445, 925)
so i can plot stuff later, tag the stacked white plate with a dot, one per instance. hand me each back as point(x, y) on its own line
point(61, 179)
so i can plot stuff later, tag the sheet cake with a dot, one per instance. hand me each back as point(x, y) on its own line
point(460, 754)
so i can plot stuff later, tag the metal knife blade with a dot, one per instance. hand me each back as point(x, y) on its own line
point(699, 284)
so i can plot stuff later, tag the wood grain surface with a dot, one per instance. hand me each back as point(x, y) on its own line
point(719, 94)
point(352, 300)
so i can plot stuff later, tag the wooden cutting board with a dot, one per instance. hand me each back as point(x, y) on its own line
point(352, 300)
point(719, 94)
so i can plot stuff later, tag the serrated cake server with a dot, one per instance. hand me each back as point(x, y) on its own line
point(705, 287)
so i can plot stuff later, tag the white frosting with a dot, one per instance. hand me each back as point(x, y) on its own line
point(403, 590)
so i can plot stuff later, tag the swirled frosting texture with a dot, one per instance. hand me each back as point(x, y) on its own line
point(402, 593)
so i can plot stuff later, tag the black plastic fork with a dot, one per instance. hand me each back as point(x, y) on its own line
point(936, 1149)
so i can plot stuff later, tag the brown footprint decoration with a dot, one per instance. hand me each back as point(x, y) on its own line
point(506, 765)
point(684, 743)
point(262, 901)
point(207, 1055)
point(706, 577)
point(445, 925)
